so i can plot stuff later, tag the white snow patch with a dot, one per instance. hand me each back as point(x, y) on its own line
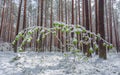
point(5, 46)
point(33, 63)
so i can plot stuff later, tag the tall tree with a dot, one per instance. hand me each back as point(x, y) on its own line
point(2, 19)
point(87, 15)
point(90, 16)
point(102, 51)
point(38, 13)
point(86, 47)
point(42, 2)
point(107, 18)
point(41, 24)
point(96, 20)
point(51, 17)
point(83, 12)
point(38, 24)
point(24, 17)
point(110, 19)
point(10, 20)
point(117, 39)
point(72, 12)
point(59, 19)
point(66, 19)
point(62, 19)
point(18, 24)
point(72, 19)
point(79, 12)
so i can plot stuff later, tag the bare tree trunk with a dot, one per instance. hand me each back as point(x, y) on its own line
point(96, 20)
point(79, 12)
point(38, 24)
point(83, 23)
point(72, 19)
point(10, 24)
point(72, 12)
point(2, 20)
point(45, 44)
point(102, 51)
point(86, 47)
point(106, 8)
point(90, 16)
point(41, 24)
point(83, 13)
point(62, 19)
point(51, 17)
point(117, 40)
point(66, 12)
point(18, 24)
point(59, 20)
point(86, 15)
point(66, 19)
point(110, 20)
point(24, 17)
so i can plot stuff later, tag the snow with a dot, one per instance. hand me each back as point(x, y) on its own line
point(5, 46)
point(54, 63)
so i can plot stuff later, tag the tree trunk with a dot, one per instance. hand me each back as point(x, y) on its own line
point(51, 17)
point(2, 19)
point(18, 24)
point(102, 51)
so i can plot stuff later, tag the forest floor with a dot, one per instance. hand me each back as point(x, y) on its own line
point(54, 63)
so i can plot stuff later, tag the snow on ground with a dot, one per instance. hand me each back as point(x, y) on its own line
point(5, 46)
point(33, 63)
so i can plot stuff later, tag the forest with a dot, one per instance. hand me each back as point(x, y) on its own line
point(59, 37)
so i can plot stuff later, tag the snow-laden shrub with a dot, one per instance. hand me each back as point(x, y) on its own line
point(73, 31)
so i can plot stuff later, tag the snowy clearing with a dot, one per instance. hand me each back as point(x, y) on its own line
point(32, 63)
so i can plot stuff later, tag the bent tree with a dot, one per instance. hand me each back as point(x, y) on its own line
point(76, 29)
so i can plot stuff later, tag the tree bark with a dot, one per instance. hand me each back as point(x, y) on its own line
point(18, 24)
point(102, 51)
